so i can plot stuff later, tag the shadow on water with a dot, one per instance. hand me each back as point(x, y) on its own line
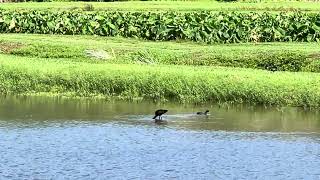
point(23, 111)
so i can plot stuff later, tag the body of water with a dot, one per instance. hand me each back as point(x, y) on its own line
point(57, 138)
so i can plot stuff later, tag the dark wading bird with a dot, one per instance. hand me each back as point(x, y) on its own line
point(159, 113)
point(203, 113)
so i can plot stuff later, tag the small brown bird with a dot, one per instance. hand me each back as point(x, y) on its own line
point(203, 113)
point(158, 113)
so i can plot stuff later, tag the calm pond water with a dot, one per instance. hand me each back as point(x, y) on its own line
point(57, 138)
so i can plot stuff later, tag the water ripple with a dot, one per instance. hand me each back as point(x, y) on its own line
point(111, 151)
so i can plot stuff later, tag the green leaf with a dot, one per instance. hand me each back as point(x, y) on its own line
point(12, 24)
point(111, 26)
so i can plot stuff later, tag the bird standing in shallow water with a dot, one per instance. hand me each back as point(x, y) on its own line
point(203, 113)
point(158, 113)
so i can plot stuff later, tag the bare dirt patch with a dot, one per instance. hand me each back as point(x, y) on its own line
point(8, 47)
point(314, 55)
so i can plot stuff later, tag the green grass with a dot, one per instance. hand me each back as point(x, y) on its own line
point(170, 5)
point(285, 56)
point(21, 75)
point(56, 65)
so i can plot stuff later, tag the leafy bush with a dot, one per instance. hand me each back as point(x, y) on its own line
point(204, 26)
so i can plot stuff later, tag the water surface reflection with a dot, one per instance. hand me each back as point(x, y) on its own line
point(43, 111)
point(56, 138)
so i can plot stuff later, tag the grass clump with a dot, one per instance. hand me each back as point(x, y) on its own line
point(48, 51)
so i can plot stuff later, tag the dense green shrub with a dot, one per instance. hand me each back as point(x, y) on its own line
point(196, 26)
point(282, 61)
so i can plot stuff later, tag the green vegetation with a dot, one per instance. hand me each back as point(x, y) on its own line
point(171, 67)
point(206, 27)
point(169, 6)
point(158, 82)
point(57, 65)
point(269, 56)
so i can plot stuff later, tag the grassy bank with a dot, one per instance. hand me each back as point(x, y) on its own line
point(269, 56)
point(21, 75)
point(180, 71)
point(167, 5)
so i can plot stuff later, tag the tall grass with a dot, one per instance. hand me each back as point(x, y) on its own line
point(21, 75)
